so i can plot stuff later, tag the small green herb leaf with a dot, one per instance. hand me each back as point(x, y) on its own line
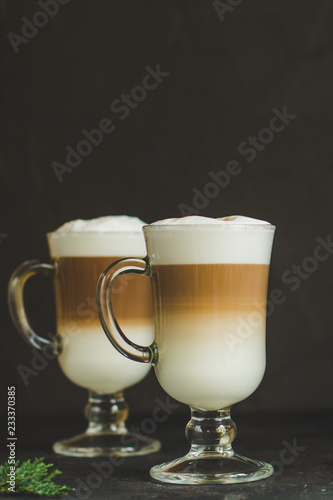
point(31, 477)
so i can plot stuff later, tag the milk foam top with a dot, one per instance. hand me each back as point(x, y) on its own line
point(199, 220)
point(117, 235)
point(235, 239)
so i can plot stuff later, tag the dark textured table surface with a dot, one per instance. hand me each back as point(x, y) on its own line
point(300, 446)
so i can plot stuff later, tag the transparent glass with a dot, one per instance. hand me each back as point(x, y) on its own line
point(209, 287)
point(82, 350)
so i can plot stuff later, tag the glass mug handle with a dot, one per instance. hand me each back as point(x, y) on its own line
point(144, 354)
point(16, 302)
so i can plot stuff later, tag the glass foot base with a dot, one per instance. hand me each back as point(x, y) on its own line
point(211, 468)
point(106, 444)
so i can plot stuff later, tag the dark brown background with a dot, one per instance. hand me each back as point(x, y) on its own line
point(225, 79)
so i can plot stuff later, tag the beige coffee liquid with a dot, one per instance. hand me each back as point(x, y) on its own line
point(88, 358)
point(210, 331)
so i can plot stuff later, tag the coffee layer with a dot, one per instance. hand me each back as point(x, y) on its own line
point(210, 331)
point(75, 287)
point(209, 287)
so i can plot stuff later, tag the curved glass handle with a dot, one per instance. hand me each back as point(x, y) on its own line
point(16, 300)
point(144, 354)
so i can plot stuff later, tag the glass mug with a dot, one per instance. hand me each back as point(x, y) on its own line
point(209, 286)
point(83, 352)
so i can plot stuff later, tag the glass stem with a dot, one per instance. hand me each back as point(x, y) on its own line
point(211, 432)
point(106, 413)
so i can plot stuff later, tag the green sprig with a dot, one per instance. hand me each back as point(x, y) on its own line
point(32, 477)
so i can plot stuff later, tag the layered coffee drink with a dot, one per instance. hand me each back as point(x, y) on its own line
point(81, 250)
point(209, 292)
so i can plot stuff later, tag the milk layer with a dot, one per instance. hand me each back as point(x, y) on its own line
point(211, 364)
point(89, 360)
